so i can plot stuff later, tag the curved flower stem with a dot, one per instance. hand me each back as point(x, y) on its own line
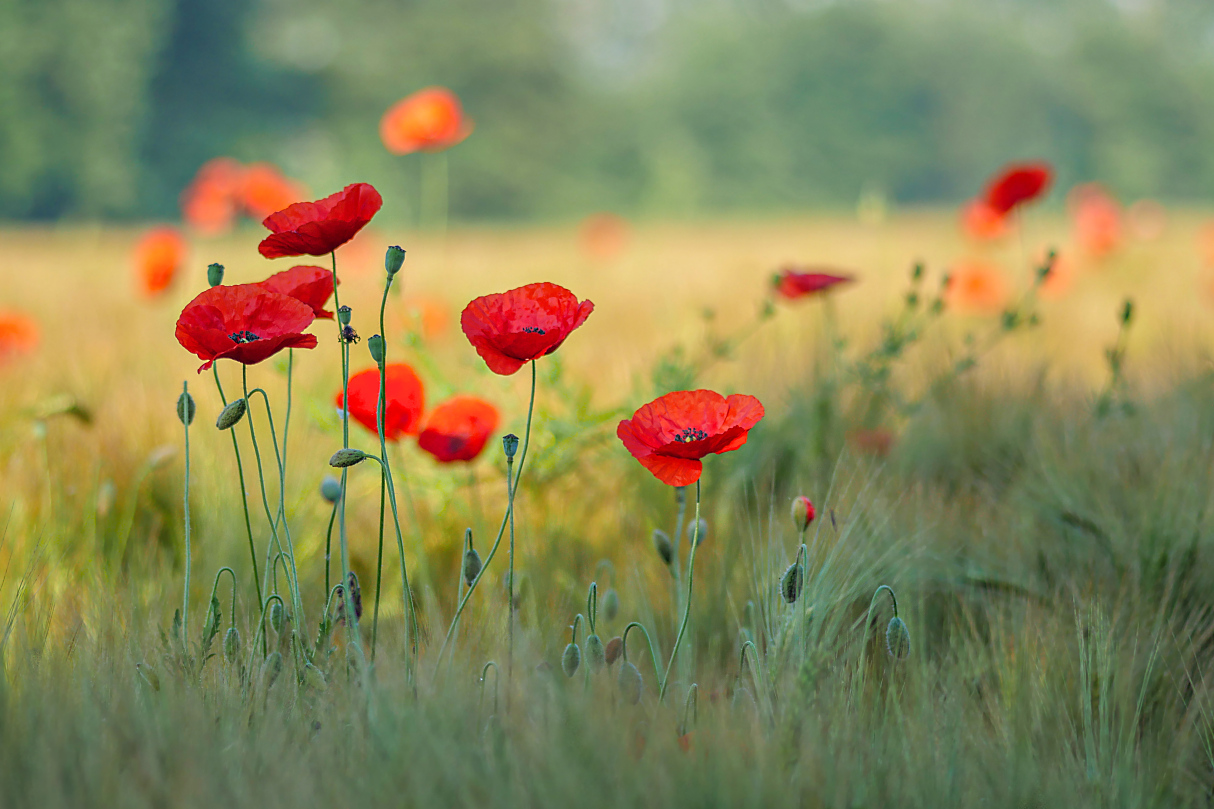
point(379, 560)
point(215, 589)
point(329, 545)
point(653, 654)
point(185, 597)
point(352, 633)
point(484, 673)
point(261, 624)
point(868, 620)
point(691, 562)
point(244, 499)
point(459, 580)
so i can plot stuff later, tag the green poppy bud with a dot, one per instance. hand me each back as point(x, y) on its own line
point(790, 583)
point(897, 639)
point(614, 648)
point(472, 565)
point(231, 415)
point(697, 535)
point(271, 669)
point(510, 444)
point(803, 513)
point(215, 274)
point(629, 682)
point(344, 314)
point(347, 457)
point(393, 260)
point(611, 604)
point(231, 645)
point(186, 408)
point(596, 655)
point(663, 545)
point(277, 616)
point(330, 489)
point(375, 344)
point(571, 659)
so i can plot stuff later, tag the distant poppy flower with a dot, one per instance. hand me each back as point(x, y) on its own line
point(512, 328)
point(793, 283)
point(603, 236)
point(877, 441)
point(671, 434)
point(981, 222)
point(458, 428)
point(976, 286)
point(158, 257)
point(243, 322)
point(318, 228)
point(1148, 219)
point(19, 335)
point(264, 189)
point(404, 395)
point(209, 204)
point(429, 120)
point(1096, 219)
point(430, 316)
point(311, 285)
point(1017, 184)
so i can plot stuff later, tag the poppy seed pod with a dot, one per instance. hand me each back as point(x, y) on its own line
point(611, 604)
point(186, 408)
point(472, 565)
point(897, 639)
point(271, 669)
point(790, 583)
point(661, 543)
point(375, 344)
point(629, 682)
point(344, 314)
point(231, 645)
point(510, 444)
point(596, 655)
point(614, 648)
point(330, 489)
point(698, 535)
point(571, 659)
point(347, 457)
point(394, 259)
point(231, 415)
point(215, 274)
point(803, 513)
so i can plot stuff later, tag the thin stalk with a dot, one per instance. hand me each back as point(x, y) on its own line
point(379, 559)
point(244, 500)
point(329, 544)
point(352, 634)
point(691, 562)
point(185, 596)
point(512, 487)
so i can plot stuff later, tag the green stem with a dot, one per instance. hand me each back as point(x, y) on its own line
point(512, 487)
point(653, 655)
point(352, 634)
point(691, 561)
point(185, 597)
point(215, 589)
point(244, 500)
point(329, 545)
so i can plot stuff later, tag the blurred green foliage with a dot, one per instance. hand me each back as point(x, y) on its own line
point(649, 107)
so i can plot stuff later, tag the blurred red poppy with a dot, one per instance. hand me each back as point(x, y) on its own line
point(1096, 218)
point(19, 335)
point(430, 120)
point(318, 228)
point(158, 256)
point(404, 395)
point(512, 328)
point(603, 236)
point(243, 322)
point(976, 286)
point(671, 434)
point(458, 428)
point(1017, 184)
point(793, 283)
point(981, 222)
point(877, 441)
point(264, 189)
point(311, 285)
point(209, 203)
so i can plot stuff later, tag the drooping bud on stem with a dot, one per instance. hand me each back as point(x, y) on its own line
point(330, 489)
point(630, 683)
point(356, 594)
point(231, 645)
point(790, 583)
point(472, 566)
point(394, 259)
point(611, 604)
point(271, 668)
point(803, 513)
point(186, 408)
point(613, 649)
point(596, 655)
point(663, 545)
point(375, 344)
point(347, 457)
point(897, 639)
point(277, 616)
point(571, 659)
point(231, 415)
point(215, 274)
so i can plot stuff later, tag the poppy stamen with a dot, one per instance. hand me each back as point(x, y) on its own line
point(243, 336)
point(533, 330)
point(348, 335)
point(691, 434)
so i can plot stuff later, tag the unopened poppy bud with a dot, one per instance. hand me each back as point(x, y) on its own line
point(277, 616)
point(611, 604)
point(613, 649)
point(186, 408)
point(215, 274)
point(271, 669)
point(697, 531)
point(803, 513)
point(596, 655)
point(472, 565)
point(571, 659)
point(375, 344)
point(231, 645)
point(510, 444)
point(790, 583)
point(231, 415)
point(629, 682)
point(343, 315)
point(662, 544)
point(330, 489)
point(1127, 312)
point(394, 259)
point(356, 594)
point(347, 457)
point(897, 639)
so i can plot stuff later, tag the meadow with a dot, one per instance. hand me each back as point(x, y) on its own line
point(1032, 479)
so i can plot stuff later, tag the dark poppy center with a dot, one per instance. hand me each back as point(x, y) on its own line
point(243, 337)
point(533, 330)
point(690, 434)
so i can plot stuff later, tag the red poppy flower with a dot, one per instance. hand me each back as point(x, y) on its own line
point(1017, 184)
point(671, 434)
point(311, 285)
point(1097, 219)
point(318, 228)
point(981, 222)
point(458, 428)
point(404, 394)
point(430, 120)
point(976, 286)
point(208, 205)
point(158, 256)
point(18, 335)
point(243, 322)
point(524, 324)
point(792, 283)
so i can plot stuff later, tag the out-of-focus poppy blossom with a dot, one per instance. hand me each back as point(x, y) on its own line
point(976, 286)
point(430, 316)
point(877, 441)
point(981, 222)
point(243, 322)
point(404, 395)
point(458, 428)
point(1096, 219)
point(1205, 244)
point(793, 283)
point(311, 285)
point(512, 328)
point(603, 236)
point(671, 434)
point(430, 120)
point(1060, 278)
point(19, 335)
point(209, 204)
point(158, 256)
point(1147, 219)
point(1017, 184)
point(264, 189)
point(318, 228)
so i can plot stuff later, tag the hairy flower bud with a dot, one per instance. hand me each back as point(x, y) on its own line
point(510, 444)
point(186, 408)
point(277, 616)
point(231, 645)
point(356, 594)
point(629, 682)
point(790, 583)
point(472, 565)
point(613, 649)
point(347, 457)
point(375, 344)
point(663, 545)
point(231, 415)
point(697, 531)
point(897, 639)
point(215, 274)
point(803, 513)
point(330, 489)
point(611, 604)
point(394, 259)
point(596, 655)
point(571, 659)
point(271, 669)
